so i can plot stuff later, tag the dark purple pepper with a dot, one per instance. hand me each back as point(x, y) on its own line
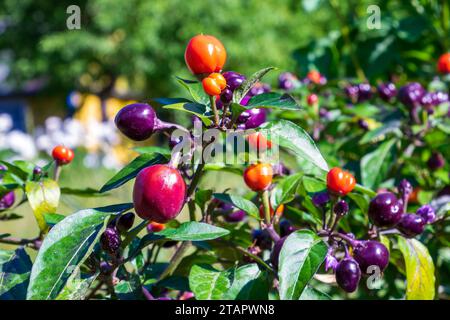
point(371, 253)
point(385, 210)
point(137, 121)
point(105, 268)
point(348, 274)
point(341, 208)
point(224, 207)
point(411, 94)
point(253, 118)
point(236, 216)
point(275, 254)
point(364, 92)
point(320, 199)
point(7, 200)
point(286, 228)
point(405, 189)
point(37, 171)
point(387, 91)
point(363, 124)
point(436, 161)
point(352, 92)
point(411, 225)
point(280, 170)
point(226, 96)
point(125, 222)
point(324, 113)
point(110, 240)
point(427, 213)
point(288, 81)
point(262, 239)
point(259, 88)
point(234, 79)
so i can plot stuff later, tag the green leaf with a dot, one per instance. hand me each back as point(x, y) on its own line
point(153, 149)
point(273, 100)
point(245, 87)
point(208, 283)
point(313, 184)
point(132, 169)
point(53, 218)
point(193, 231)
point(361, 201)
point(87, 192)
point(419, 269)
point(15, 170)
point(372, 163)
point(76, 287)
point(301, 255)
point(43, 197)
point(15, 268)
point(249, 283)
point(195, 89)
point(239, 203)
point(294, 138)
point(285, 190)
point(311, 293)
point(392, 126)
point(200, 110)
point(66, 246)
point(129, 289)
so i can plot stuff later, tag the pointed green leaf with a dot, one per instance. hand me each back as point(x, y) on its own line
point(294, 138)
point(193, 231)
point(208, 283)
point(372, 163)
point(132, 169)
point(301, 255)
point(66, 246)
point(239, 203)
point(15, 269)
point(245, 87)
point(249, 283)
point(419, 269)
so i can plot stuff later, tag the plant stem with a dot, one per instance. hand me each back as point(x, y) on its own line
point(214, 109)
point(266, 206)
point(175, 261)
point(254, 257)
point(32, 243)
point(57, 172)
point(195, 179)
point(273, 234)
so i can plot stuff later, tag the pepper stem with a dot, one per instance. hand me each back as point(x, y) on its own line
point(266, 206)
point(214, 109)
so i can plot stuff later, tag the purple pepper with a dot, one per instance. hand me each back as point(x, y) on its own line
point(341, 208)
point(288, 81)
point(234, 79)
point(236, 216)
point(364, 92)
point(387, 91)
point(286, 228)
point(405, 189)
point(7, 200)
point(411, 225)
point(371, 253)
point(436, 161)
point(411, 94)
point(320, 199)
point(427, 213)
point(275, 254)
point(253, 118)
point(137, 121)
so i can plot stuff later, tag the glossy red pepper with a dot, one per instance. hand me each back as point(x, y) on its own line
point(340, 182)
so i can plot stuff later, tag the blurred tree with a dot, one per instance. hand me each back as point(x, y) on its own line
point(143, 41)
point(412, 36)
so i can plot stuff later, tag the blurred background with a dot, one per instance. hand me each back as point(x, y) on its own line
point(64, 86)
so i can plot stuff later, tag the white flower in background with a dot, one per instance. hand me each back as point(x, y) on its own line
point(53, 124)
point(22, 144)
point(97, 137)
point(6, 122)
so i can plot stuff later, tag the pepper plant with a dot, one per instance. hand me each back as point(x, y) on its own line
point(298, 228)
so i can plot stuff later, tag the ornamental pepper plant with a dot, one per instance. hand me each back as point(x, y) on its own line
point(342, 191)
